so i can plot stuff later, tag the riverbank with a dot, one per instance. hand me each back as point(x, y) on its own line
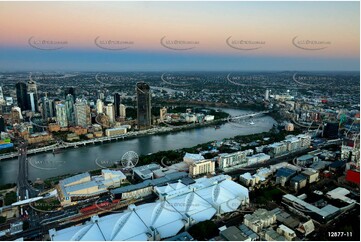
point(163, 129)
point(173, 156)
point(166, 129)
point(86, 158)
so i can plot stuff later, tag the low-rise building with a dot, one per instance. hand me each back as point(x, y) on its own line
point(260, 219)
point(72, 137)
point(306, 160)
point(283, 175)
point(288, 233)
point(202, 167)
point(277, 149)
point(232, 159)
point(145, 188)
point(304, 208)
point(285, 218)
point(289, 127)
point(145, 172)
point(257, 158)
point(312, 175)
point(83, 185)
point(39, 138)
point(98, 134)
point(78, 130)
point(298, 182)
point(115, 131)
point(248, 233)
point(232, 234)
point(190, 158)
point(251, 180)
point(271, 235)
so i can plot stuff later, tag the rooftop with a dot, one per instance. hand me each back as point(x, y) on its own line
point(285, 172)
point(325, 212)
point(233, 234)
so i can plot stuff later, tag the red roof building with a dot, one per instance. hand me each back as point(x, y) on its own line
point(353, 176)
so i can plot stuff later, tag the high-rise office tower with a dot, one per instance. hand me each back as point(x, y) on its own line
point(47, 108)
point(2, 99)
point(110, 112)
point(116, 104)
point(81, 114)
point(122, 111)
point(22, 96)
point(61, 116)
point(162, 113)
point(69, 104)
point(100, 106)
point(144, 115)
point(32, 87)
point(33, 101)
point(56, 102)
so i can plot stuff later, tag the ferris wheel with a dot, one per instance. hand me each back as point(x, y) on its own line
point(129, 159)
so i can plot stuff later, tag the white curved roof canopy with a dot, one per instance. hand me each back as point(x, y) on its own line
point(199, 201)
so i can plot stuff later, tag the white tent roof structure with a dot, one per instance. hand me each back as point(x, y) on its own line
point(181, 204)
point(194, 206)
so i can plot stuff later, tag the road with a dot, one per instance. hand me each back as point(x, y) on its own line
point(24, 189)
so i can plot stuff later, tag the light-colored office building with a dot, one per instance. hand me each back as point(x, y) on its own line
point(83, 185)
point(162, 113)
point(257, 158)
point(110, 112)
point(201, 167)
point(115, 131)
point(122, 110)
point(232, 159)
point(100, 106)
point(278, 148)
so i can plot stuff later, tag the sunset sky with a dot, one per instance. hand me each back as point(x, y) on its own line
point(208, 24)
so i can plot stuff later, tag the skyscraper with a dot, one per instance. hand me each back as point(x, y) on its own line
point(69, 104)
point(144, 116)
point(32, 87)
point(22, 96)
point(116, 104)
point(47, 108)
point(61, 116)
point(100, 106)
point(2, 100)
point(162, 113)
point(122, 111)
point(33, 101)
point(81, 114)
point(110, 112)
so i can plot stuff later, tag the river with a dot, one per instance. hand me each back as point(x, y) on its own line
point(90, 157)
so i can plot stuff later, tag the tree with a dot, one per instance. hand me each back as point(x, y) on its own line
point(204, 230)
point(2, 219)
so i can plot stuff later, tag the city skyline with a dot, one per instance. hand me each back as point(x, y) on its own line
point(142, 36)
